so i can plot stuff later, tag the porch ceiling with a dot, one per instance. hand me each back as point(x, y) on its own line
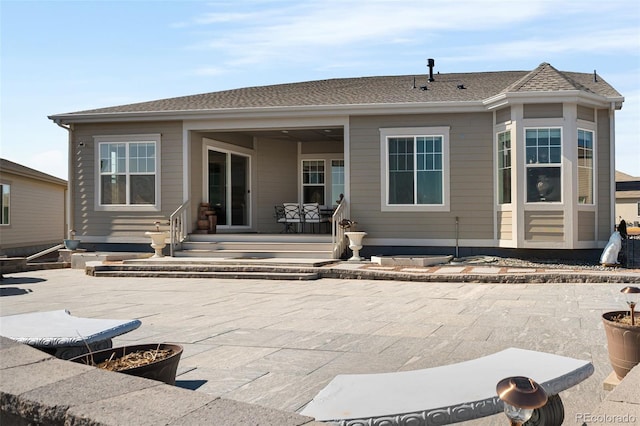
point(298, 135)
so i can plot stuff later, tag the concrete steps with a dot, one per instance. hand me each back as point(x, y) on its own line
point(198, 269)
point(305, 246)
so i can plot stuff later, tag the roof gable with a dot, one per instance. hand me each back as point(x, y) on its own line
point(544, 78)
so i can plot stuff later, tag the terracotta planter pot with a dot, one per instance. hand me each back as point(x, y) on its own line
point(163, 370)
point(623, 342)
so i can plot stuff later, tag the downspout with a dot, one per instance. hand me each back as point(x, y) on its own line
point(612, 162)
point(70, 180)
point(457, 236)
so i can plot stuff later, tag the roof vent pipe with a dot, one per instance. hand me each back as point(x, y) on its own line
point(430, 63)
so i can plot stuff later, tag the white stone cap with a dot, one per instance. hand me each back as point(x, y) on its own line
point(59, 328)
point(445, 394)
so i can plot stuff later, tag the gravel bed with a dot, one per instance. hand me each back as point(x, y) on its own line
point(530, 263)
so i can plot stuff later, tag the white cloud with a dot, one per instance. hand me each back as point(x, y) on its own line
point(305, 31)
point(609, 41)
point(328, 33)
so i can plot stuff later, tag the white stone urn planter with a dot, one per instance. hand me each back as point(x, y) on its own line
point(158, 241)
point(355, 244)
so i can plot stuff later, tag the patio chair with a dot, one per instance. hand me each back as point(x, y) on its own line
point(280, 218)
point(292, 217)
point(312, 215)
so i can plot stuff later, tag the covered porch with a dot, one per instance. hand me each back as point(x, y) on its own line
point(250, 176)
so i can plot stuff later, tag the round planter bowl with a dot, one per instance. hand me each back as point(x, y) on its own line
point(163, 370)
point(71, 244)
point(623, 342)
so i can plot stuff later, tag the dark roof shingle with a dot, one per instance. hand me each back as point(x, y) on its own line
point(404, 89)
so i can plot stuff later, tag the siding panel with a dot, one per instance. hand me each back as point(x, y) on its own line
point(503, 115)
point(586, 226)
point(277, 180)
point(544, 226)
point(125, 224)
point(36, 215)
point(586, 113)
point(505, 225)
point(543, 110)
point(471, 179)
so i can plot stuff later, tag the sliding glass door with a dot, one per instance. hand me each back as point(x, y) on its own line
point(228, 186)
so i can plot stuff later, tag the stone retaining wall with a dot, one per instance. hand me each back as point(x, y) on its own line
point(13, 264)
point(38, 389)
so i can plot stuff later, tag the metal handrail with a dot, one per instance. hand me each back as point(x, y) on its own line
point(338, 240)
point(177, 227)
point(44, 252)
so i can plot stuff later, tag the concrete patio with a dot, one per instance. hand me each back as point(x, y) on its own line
point(277, 343)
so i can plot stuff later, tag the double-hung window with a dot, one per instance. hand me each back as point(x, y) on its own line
point(128, 170)
point(337, 180)
point(504, 167)
point(415, 163)
point(313, 181)
point(544, 164)
point(5, 195)
point(585, 166)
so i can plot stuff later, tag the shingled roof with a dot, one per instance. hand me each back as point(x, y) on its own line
point(405, 89)
point(9, 167)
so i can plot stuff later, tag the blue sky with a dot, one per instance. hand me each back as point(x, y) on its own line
point(63, 56)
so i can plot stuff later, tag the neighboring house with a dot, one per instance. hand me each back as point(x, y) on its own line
point(628, 198)
point(487, 160)
point(33, 210)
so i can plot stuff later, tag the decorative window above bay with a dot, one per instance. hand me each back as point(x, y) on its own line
point(415, 173)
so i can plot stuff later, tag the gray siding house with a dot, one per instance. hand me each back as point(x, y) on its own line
point(32, 210)
point(481, 161)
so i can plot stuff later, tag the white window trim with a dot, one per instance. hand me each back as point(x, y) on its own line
point(385, 134)
point(545, 205)
point(588, 127)
point(327, 158)
point(333, 201)
point(150, 137)
point(497, 133)
point(324, 172)
point(9, 209)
